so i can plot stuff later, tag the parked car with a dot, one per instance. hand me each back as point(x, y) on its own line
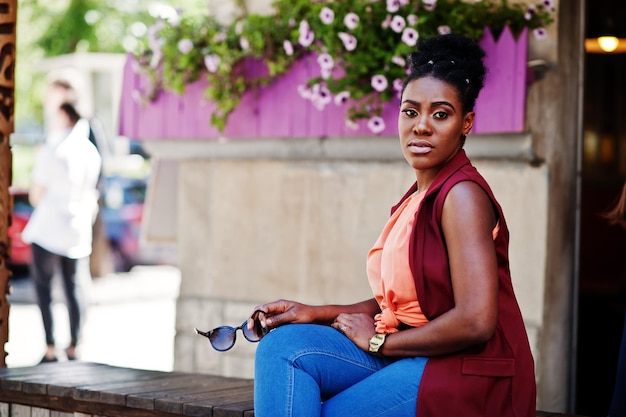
point(20, 250)
point(121, 214)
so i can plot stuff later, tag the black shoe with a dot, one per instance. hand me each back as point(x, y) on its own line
point(70, 357)
point(45, 359)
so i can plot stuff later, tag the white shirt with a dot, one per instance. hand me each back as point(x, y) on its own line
point(68, 167)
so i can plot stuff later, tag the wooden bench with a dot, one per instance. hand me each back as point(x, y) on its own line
point(91, 390)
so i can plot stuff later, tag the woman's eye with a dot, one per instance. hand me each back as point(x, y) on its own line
point(410, 112)
point(440, 115)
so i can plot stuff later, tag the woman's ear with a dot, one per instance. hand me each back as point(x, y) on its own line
point(468, 122)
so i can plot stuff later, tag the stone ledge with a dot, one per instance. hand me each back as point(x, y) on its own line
point(381, 149)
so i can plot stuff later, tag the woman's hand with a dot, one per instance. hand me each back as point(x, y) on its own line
point(358, 327)
point(282, 312)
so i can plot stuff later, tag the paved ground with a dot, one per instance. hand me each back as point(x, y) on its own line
point(130, 320)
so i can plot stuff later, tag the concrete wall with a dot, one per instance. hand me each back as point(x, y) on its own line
point(297, 220)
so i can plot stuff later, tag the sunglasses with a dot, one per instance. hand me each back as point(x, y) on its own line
point(223, 338)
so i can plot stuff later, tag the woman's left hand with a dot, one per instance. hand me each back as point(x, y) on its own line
point(357, 327)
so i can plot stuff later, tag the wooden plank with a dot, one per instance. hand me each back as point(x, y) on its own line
point(114, 392)
point(227, 393)
point(196, 384)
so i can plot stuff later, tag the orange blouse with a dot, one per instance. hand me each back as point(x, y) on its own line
point(389, 273)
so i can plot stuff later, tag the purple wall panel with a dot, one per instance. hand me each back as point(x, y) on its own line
point(501, 104)
point(278, 111)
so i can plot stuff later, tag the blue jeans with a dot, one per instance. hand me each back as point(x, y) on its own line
point(306, 370)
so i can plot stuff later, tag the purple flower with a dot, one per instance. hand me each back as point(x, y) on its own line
point(404, 2)
point(429, 5)
point(326, 73)
point(342, 98)
point(212, 62)
point(399, 61)
point(444, 30)
point(393, 6)
point(411, 19)
point(530, 12)
point(351, 20)
point(376, 124)
point(325, 60)
point(410, 36)
point(540, 33)
point(327, 15)
point(288, 47)
point(185, 46)
point(548, 4)
point(379, 83)
point(349, 41)
point(219, 37)
point(397, 23)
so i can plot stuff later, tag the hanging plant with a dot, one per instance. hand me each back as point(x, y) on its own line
point(360, 46)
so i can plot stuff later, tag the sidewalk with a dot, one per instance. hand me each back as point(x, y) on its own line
point(130, 320)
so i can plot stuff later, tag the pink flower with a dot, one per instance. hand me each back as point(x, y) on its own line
point(244, 43)
point(410, 36)
point(399, 61)
point(349, 41)
point(351, 21)
point(326, 61)
point(398, 84)
point(548, 4)
point(379, 83)
point(444, 30)
point(540, 33)
point(376, 124)
point(304, 92)
point(530, 12)
point(393, 6)
point(212, 62)
point(185, 46)
point(385, 23)
point(327, 15)
point(397, 23)
point(307, 36)
point(352, 125)
point(288, 47)
point(342, 97)
point(411, 20)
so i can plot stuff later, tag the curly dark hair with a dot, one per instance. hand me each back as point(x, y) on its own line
point(454, 59)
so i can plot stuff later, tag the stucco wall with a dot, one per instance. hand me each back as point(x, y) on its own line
point(295, 224)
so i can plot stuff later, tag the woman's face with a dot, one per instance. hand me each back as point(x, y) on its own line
point(431, 123)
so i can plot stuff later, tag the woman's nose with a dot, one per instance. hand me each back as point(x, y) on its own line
point(421, 126)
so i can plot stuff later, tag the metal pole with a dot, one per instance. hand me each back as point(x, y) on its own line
point(8, 21)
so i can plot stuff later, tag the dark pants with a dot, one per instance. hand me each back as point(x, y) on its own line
point(42, 269)
point(618, 404)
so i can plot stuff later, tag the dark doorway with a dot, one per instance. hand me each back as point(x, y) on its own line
point(602, 290)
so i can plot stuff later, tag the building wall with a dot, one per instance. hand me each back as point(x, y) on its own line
point(288, 225)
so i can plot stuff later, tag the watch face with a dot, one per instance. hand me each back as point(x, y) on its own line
point(376, 342)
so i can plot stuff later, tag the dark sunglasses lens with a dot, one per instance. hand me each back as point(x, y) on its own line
point(256, 333)
point(222, 338)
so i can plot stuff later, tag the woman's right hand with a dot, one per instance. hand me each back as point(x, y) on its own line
point(277, 313)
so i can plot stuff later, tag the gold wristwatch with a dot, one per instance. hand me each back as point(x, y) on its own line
point(376, 342)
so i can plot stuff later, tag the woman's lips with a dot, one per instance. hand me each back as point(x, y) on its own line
point(419, 146)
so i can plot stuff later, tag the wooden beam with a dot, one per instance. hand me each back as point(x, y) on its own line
point(8, 21)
